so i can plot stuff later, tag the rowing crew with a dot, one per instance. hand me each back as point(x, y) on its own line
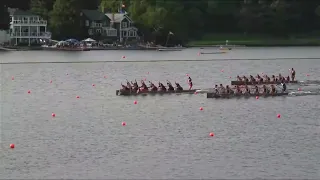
point(256, 90)
point(134, 87)
point(266, 78)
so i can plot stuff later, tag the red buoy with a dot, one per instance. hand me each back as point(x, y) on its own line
point(93, 85)
point(124, 123)
point(135, 102)
point(11, 146)
point(29, 92)
point(78, 97)
point(51, 81)
point(201, 108)
point(278, 115)
point(53, 115)
point(196, 92)
point(211, 134)
point(299, 89)
point(12, 78)
point(257, 97)
point(123, 57)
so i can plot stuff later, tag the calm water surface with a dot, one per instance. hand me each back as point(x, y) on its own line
point(166, 136)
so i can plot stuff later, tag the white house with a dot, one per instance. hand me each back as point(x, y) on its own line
point(125, 26)
point(26, 28)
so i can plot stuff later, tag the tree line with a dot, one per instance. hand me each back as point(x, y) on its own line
point(185, 18)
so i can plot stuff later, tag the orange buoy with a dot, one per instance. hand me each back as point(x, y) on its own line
point(211, 134)
point(29, 92)
point(257, 97)
point(124, 123)
point(135, 102)
point(278, 115)
point(201, 108)
point(11, 146)
point(53, 115)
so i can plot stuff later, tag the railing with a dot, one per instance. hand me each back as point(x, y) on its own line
point(29, 22)
point(26, 34)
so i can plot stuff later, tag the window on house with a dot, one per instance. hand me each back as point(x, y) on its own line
point(87, 22)
point(124, 24)
point(98, 30)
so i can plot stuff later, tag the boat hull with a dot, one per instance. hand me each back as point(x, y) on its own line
point(128, 93)
point(214, 95)
point(258, 83)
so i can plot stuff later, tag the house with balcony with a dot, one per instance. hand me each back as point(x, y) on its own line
point(26, 28)
point(97, 24)
point(124, 25)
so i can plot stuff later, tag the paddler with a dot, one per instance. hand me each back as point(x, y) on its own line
point(162, 87)
point(143, 85)
point(239, 78)
point(265, 89)
point(284, 86)
point(222, 89)
point(129, 85)
point(280, 77)
point(153, 87)
point(190, 82)
point(288, 79)
point(252, 78)
point(256, 89)
point(273, 89)
point(267, 78)
point(247, 90)
point(273, 78)
point(178, 87)
point(170, 87)
point(124, 88)
point(293, 74)
point(216, 90)
point(238, 90)
point(228, 90)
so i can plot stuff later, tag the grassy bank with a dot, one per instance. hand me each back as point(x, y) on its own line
point(255, 40)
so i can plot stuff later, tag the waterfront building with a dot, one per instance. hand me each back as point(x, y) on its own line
point(26, 28)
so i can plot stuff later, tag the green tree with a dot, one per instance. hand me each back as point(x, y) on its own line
point(4, 17)
point(64, 19)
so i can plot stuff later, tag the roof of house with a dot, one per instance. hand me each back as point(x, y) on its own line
point(18, 12)
point(118, 17)
point(93, 14)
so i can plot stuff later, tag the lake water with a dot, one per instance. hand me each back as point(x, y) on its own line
point(165, 136)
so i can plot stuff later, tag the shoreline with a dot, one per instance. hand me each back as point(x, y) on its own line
point(210, 40)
